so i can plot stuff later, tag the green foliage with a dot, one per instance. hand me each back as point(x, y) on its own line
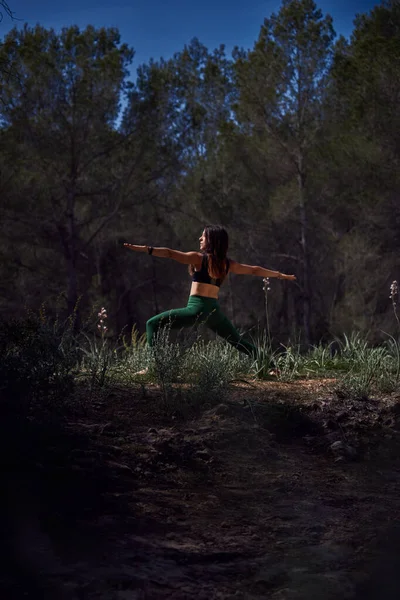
point(58, 114)
point(208, 368)
point(293, 145)
point(264, 360)
point(37, 358)
point(211, 368)
point(166, 361)
point(98, 358)
point(288, 363)
point(368, 369)
point(320, 359)
point(131, 357)
point(40, 358)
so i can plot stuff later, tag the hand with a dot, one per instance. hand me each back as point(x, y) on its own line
point(287, 277)
point(135, 247)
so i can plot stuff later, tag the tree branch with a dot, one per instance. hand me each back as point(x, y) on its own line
point(7, 10)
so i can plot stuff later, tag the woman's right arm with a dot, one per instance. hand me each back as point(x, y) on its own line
point(240, 269)
point(186, 258)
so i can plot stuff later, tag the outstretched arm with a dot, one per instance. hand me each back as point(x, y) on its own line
point(240, 269)
point(186, 258)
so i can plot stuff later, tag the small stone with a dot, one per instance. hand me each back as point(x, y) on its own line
point(332, 438)
point(339, 448)
point(203, 455)
point(220, 409)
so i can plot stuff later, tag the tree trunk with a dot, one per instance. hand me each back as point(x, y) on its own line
point(154, 285)
point(72, 253)
point(304, 250)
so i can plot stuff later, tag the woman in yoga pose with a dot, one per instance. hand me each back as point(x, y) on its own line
point(208, 269)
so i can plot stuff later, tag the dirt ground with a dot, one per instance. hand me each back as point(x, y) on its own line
point(280, 491)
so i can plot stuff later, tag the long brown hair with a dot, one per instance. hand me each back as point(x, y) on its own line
point(217, 242)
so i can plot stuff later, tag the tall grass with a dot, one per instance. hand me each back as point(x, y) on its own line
point(265, 359)
point(133, 356)
point(38, 358)
point(211, 367)
point(38, 354)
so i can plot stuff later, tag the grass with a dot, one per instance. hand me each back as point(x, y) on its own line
point(205, 370)
point(41, 357)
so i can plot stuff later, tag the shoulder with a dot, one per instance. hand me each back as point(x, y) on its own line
point(194, 258)
point(186, 258)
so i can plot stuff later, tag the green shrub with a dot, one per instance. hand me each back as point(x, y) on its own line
point(370, 367)
point(211, 367)
point(37, 357)
point(265, 359)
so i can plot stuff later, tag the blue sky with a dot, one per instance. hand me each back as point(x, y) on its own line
point(156, 28)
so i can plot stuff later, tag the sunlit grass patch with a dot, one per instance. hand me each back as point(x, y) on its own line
point(42, 353)
point(211, 367)
point(368, 369)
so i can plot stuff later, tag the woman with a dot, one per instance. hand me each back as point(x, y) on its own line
point(208, 268)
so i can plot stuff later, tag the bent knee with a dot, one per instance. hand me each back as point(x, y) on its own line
point(157, 320)
point(153, 323)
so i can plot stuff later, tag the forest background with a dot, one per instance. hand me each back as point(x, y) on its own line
point(293, 146)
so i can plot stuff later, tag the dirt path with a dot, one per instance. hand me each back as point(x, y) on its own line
point(249, 499)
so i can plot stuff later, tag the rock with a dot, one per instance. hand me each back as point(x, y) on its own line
point(203, 455)
point(121, 466)
point(330, 424)
point(341, 449)
point(220, 409)
point(331, 438)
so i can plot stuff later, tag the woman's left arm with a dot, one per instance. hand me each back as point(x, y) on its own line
point(186, 258)
point(241, 269)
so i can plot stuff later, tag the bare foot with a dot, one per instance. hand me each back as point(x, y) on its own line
point(142, 372)
point(274, 373)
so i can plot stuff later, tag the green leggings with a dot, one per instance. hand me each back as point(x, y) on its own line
point(199, 310)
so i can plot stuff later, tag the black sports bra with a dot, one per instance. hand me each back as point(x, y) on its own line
point(202, 276)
